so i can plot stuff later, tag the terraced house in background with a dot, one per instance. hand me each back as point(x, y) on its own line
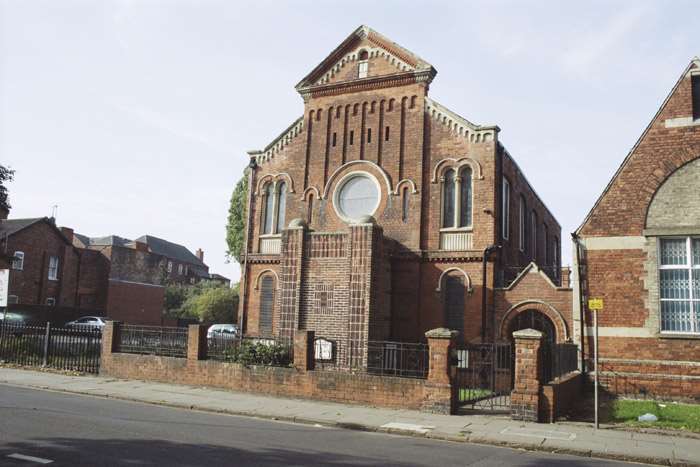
point(380, 214)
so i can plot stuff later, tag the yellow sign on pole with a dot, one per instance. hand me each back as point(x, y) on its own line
point(595, 304)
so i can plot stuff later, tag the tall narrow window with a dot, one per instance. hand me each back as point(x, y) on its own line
point(454, 303)
point(533, 234)
point(522, 223)
point(369, 135)
point(53, 268)
point(546, 243)
point(695, 83)
point(679, 283)
point(281, 206)
point(334, 138)
point(269, 209)
point(310, 209)
point(404, 205)
point(18, 261)
point(267, 305)
point(448, 199)
point(352, 137)
point(505, 211)
point(555, 257)
point(465, 198)
point(386, 134)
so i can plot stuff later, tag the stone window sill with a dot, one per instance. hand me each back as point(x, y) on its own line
point(666, 335)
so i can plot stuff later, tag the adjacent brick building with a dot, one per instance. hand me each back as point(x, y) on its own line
point(639, 250)
point(369, 218)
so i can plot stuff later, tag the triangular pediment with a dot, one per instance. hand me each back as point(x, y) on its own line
point(383, 56)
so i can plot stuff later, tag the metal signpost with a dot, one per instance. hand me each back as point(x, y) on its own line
point(595, 305)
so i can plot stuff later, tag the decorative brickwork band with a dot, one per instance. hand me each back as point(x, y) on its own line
point(439, 396)
point(111, 336)
point(196, 342)
point(290, 279)
point(525, 398)
point(304, 350)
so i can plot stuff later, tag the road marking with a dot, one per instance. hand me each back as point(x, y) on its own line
point(535, 433)
point(22, 457)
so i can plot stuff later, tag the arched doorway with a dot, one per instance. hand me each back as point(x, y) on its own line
point(533, 319)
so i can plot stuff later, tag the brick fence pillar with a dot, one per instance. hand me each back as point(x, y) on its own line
point(525, 398)
point(111, 336)
point(196, 342)
point(439, 397)
point(304, 350)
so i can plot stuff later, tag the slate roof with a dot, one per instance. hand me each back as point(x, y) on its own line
point(170, 249)
point(109, 240)
point(11, 226)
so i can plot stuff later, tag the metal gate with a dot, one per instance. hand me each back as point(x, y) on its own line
point(483, 374)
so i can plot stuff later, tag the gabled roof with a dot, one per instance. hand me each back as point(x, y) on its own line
point(12, 226)
point(694, 63)
point(170, 250)
point(404, 59)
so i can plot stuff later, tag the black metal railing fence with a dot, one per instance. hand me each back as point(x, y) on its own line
point(557, 360)
point(402, 359)
point(153, 340)
point(75, 349)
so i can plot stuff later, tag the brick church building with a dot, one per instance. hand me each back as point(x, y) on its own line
point(379, 214)
point(639, 250)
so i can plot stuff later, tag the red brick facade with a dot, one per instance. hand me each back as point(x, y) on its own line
point(387, 277)
point(653, 198)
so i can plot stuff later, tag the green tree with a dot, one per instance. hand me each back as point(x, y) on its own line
point(235, 228)
point(213, 304)
point(6, 175)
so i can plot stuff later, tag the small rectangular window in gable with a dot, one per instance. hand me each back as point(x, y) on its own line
point(18, 261)
point(695, 83)
point(362, 70)
point(53, 268)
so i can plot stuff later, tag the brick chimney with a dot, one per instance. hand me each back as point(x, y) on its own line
point(566, 277)
point(200, 254)
point(68, 233)
point(4, 212)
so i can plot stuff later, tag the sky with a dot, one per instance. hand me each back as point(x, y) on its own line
point(134, 117)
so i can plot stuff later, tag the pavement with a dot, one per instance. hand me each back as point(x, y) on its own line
point(575, 439)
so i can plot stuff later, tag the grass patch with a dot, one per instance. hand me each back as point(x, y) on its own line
point(471, 394)
point(674, 416)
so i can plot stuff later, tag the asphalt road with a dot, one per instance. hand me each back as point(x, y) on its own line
point(38, 426)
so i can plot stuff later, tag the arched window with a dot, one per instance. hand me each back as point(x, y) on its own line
point(267, 304)
point(281, 205)
point(465, 197)
point(448, 199)
point(454, 303)
point(269, 209)
point(310, 209)
point(457, 198)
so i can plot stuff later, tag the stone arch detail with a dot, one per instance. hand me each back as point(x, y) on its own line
point(405, 181)
point(545, 308)
point(446, 272)
point(675, 199)
point(274, 178)
point(312, 189)
point(457, 164)
point(265, 272)
point(360, 163)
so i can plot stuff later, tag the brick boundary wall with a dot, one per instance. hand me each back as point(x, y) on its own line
point(434, 394)
point(557, 398)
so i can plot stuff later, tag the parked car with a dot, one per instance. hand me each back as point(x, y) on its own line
point(88, 322)
point(223, 331)
point(10, 317)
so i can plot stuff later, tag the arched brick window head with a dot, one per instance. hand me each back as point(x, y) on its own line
point(267, 304)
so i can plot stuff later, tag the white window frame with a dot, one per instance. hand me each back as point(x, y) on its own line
point(363, 69)
point(505, 209)
point(18, 261)
point(51, 301)
point(687, 267)
point(12, 300)
point(180, 269)
point(53, 269)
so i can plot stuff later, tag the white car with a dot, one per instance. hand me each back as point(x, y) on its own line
point(88, 322)
point(223, 331)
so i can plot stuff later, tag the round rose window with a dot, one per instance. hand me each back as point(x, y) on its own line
point(357, 196)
